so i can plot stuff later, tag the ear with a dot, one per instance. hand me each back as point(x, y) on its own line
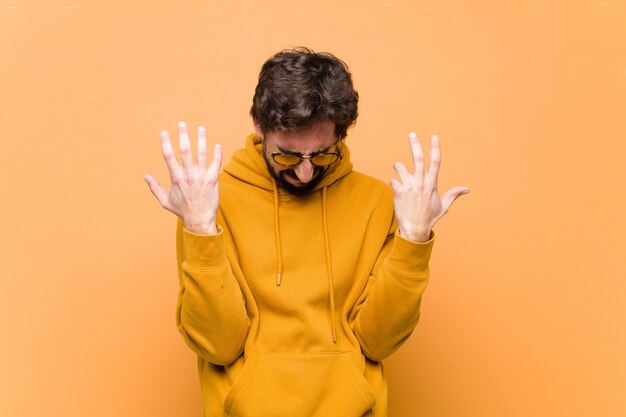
point(257, 128)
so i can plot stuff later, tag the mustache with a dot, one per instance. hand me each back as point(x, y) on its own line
point(292, 173)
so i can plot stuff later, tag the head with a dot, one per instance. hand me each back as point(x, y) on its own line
point(299, 158)
point(304, 103)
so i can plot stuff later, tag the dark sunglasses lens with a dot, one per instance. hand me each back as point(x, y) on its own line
point(286, 159)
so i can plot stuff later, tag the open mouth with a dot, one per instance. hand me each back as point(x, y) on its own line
point(293, 178)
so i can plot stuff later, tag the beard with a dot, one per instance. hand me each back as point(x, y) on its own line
point(297, 190)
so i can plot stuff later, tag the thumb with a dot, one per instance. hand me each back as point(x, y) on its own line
point(156, 189)
point(452, 194)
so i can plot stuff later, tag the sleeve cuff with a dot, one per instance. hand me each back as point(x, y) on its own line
point(204, 251)
point(411, 257)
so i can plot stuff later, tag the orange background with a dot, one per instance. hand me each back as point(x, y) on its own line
point(526, 311)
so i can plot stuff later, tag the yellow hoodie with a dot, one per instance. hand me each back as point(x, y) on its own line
point(294, 303)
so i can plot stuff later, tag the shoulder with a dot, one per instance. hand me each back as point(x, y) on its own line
point(366, 190)
point(359, 181)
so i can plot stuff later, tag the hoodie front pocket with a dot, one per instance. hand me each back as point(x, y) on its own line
point(300, 385)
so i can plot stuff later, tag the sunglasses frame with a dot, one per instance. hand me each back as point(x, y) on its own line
point(337, 153)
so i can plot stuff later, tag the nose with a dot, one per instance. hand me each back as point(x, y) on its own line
point(304, 171)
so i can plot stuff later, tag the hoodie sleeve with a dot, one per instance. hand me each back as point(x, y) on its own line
point(388, 309)
point(211, 311)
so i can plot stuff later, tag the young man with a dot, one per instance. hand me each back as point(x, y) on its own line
point(298, 275)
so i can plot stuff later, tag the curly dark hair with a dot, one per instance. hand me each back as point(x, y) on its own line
point(299, 87)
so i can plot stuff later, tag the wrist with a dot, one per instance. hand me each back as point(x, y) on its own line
point(201, 228)
point(415, 235)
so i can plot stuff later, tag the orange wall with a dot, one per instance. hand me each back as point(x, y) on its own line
point(526, 311)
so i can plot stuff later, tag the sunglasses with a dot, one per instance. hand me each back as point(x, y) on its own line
point(319, 159)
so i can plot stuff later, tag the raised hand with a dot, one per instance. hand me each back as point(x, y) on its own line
point(194, 191)
point(416, 199)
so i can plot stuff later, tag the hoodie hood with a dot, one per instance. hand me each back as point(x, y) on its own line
point(249, 166)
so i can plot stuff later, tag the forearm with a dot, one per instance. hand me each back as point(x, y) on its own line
point(211, 312)
point(390, 307)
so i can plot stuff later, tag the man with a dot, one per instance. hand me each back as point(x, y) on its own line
point(298, 276)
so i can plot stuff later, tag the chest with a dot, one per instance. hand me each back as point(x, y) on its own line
point(305, 237)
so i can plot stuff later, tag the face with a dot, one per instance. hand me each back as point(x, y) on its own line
point(300, 179)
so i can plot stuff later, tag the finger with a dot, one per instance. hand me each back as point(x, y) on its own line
point(435, 161)
point(405, 175)
point(156, 189)
point(202, 149)
point(185, 148)
point(216, 163)
point(168, 155)
point(418, 158)
point(395, 186)
point(451, 195)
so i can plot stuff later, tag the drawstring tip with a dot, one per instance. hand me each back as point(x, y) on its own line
point(334, 336)
point(278, 280)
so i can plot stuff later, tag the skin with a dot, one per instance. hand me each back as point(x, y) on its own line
point(418, 205)
point(194, 191)
point(301, 179)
